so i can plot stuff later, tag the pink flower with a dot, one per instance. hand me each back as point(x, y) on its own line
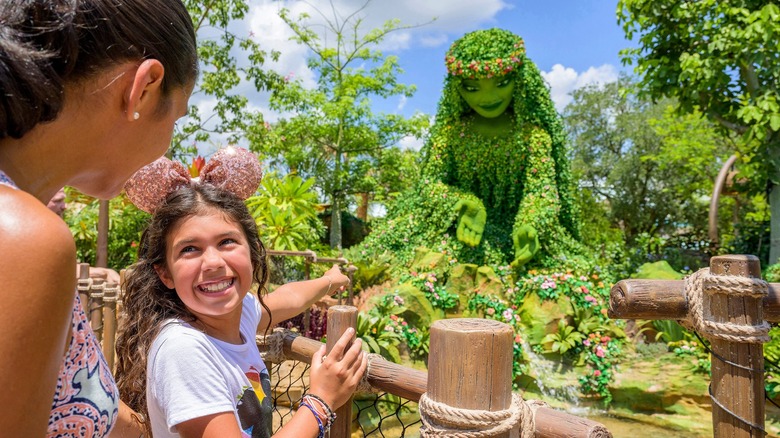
point(490, 311)
point(597, 373)
point(600, 351)
point(586, 342)
point(518, 339)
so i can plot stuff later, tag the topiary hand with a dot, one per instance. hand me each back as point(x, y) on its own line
point(526, 241)
point(471, 221)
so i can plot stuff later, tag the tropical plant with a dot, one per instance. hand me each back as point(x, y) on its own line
point(564, 340)
point(378, 335)
point(285, 210)
point(125, 223)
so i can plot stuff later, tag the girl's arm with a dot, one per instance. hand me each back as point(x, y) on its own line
point(333, 378)
point(292, 299)
point(126, 424)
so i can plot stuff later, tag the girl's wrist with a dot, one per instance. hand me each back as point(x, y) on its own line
point(330, 283)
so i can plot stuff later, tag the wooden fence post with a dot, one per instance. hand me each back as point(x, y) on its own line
point(96, 307)
point(470, 364)
point(83, 283)
point(110, 294)
point(738, 387)
point(340, 318)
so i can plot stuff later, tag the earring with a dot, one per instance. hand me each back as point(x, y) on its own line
point(136, 116)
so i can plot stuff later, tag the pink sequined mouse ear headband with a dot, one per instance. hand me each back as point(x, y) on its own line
point(232, 169)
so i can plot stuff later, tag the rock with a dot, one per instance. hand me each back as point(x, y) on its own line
point(488, 282)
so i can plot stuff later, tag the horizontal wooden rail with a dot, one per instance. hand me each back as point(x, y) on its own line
point(665, 299)
point(411, 384)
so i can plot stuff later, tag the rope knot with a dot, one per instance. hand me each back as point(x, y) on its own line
point(699, 289)
point(441, 420)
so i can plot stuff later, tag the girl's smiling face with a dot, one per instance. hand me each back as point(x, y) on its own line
point(208, 262)
point(488, 97)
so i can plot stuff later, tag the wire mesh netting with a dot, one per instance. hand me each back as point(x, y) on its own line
point(373, 415)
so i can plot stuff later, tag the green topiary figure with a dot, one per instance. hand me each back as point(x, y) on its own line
point(495, 172)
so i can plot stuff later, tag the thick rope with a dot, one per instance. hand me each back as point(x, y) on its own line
point(84, 285)
point(699, 287)
point(441, 420)
point(363, 386)
point(274, 346)
point(110, 293)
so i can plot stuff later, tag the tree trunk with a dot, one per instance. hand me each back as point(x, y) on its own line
point(335, 223)
point(362, 211)
point(774, 224)
point(335, 209)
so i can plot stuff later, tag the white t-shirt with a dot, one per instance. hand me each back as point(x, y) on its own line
point(191, 375)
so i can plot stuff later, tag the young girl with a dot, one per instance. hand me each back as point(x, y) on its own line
point(187, 353)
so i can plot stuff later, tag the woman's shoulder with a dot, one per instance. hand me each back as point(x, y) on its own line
point(28, 228)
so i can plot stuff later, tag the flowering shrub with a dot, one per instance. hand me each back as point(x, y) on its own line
point(585, 291)
point(600, 353)
point(436, 293)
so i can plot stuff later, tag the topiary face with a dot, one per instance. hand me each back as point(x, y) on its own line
point(489, 97)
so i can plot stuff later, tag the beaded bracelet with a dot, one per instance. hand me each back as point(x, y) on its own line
point(331, 416)
point(316, 417)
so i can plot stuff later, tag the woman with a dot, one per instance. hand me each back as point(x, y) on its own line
point(91, 91)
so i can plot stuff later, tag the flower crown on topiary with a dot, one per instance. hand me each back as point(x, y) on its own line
point(484, 54)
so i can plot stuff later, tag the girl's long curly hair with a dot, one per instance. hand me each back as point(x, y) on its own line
point(148, 303)
point(531, 103)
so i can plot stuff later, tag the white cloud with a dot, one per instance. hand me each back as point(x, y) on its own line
point(411, 143)
point(401, 103)
point(564, 80)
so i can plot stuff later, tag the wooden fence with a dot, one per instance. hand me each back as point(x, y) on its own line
point(730, 305)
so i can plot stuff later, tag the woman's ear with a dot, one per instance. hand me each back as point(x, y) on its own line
point(165, 277)
point(145, 90)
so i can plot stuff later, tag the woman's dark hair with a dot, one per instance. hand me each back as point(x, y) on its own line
point(46, 44)
point(148, 303)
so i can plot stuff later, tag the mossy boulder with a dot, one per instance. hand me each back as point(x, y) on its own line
point(419, 311)
point(660, 270)
point(488, 282)
point(426, 260)
point(540, 317)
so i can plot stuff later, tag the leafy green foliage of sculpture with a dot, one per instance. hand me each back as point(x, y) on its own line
point(227, 60)
point(498, 181)
point(720, 58)
point(285, 209)
point(125, 225)
point(332, 127)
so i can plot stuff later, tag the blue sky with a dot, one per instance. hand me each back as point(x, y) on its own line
point(573, 42)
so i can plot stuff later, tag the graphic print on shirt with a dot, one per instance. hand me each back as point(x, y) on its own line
point(254, 407)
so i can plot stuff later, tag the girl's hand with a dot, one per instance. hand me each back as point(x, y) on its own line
point(338, 281)
point(334, 377)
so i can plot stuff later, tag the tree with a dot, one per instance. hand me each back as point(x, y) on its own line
point(650, 169)
point(222, 72)
point(722, 59)
point(333, 132)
